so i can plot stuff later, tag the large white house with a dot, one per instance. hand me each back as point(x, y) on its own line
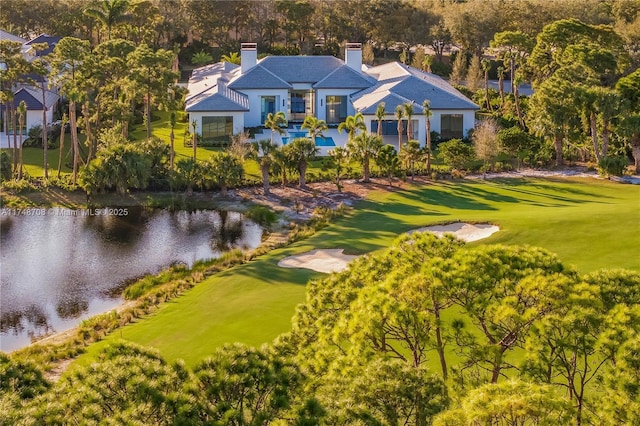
point(225, 98)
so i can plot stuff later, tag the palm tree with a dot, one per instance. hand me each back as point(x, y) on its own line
point(352, 124)
point(109, 13)
point(501, 85)
point(316, 127)
point(408, 112)
point(486, 67)
point(274, 123)
point(22, 113)
point(14, 67)
point(380, 113)
point(63, 123)
point(629, 128)
point(387, 160)
point(40, 67)
point(68, 58)
point(172, 124)
point(516, 98)
point(426, 106)
point(226, 170)
point(201, 58)
point(232, 58)
point(363, 148)
point(608, 106)
point(268, 149)
point(399, 115)
point(282, 160)
point(339, 158)
point(302, 150)
point(410, 154)
point(194, 139)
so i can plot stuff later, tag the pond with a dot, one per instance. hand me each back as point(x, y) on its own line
point(60, 266)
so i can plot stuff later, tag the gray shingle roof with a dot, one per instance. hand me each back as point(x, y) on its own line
point(11, 37)
point(218, 98)
point(45, 38)
point(33, 98)
point(412, 84)
point(345, 77)
point(369, 103)
point(259, 77)
point(301, 69)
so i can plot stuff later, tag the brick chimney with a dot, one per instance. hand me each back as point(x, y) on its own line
point(248, 56)
point(353, 56)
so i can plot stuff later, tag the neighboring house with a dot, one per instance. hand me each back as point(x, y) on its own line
point(8, 36)
point(27, 46)
point(33, 99)
point(52, 41)
point(30, 90)
point(224, 98)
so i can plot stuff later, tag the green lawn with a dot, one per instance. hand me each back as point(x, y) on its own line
point(590, 224)
point(160, 127)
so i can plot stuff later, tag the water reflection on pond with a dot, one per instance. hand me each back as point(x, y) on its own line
point(63, 266)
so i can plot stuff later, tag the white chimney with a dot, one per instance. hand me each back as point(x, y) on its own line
point(248, 56)
point(353, 56)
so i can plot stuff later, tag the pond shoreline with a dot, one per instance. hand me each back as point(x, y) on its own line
point(87, 258)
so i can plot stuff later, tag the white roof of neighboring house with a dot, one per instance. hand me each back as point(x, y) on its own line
point(8, 36)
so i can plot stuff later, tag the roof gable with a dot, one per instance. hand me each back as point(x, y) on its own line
point(259, 77)
point(218, 98)
point(345, 77)
point(411, 84)
point(368, 104)
point(29, 98)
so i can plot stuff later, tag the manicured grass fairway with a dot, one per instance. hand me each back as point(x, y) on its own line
point(589, 223)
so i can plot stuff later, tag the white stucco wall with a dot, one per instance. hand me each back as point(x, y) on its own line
point(34, 118)
point(238, 119)
point(252, 118)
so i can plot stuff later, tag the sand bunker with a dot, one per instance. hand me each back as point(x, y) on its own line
point(321, 260)
point(464, 231)
point(333, 260)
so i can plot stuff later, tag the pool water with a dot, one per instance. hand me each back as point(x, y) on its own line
point(320, 141)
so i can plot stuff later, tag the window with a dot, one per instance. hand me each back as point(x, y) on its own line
point(389, 127)
point(267, 105)
point(336, 109)
point(300, 104)
point(297, 103)
point(451, 126)
point(217, 128)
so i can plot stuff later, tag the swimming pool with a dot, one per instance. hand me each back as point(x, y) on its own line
point(320, 141)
